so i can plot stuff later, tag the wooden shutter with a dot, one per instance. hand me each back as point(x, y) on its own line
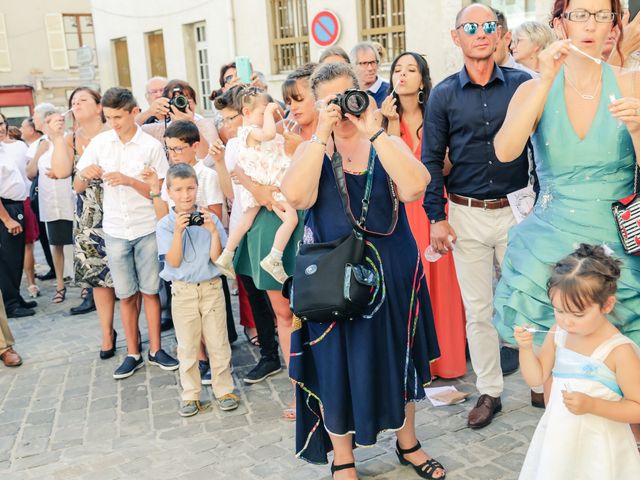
point(5, 59)
point(57, 44)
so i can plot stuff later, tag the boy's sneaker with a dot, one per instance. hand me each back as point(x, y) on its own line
point(225, 263)
point(274, 268)
point(265, 368)
point(205, 372)
point(163, 360)
point(228, 402)
point(128, 367)
point(190, 407)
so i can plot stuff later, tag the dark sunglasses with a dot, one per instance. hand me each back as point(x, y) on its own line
point(471, 28)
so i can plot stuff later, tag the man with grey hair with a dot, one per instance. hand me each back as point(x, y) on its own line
point(158, 105)
point(39, 112)
point(365, 59)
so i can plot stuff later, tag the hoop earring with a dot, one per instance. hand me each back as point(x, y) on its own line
point(421, 96)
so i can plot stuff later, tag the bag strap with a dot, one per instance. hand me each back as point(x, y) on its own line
point(635, 180)
point(359, 225)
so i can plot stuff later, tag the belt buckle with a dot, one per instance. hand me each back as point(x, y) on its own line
point(484, 205)
point(469, 202)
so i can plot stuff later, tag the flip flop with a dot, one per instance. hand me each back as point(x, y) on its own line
point(289, 414)
point(252, 340)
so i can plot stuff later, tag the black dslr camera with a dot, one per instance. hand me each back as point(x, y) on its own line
point(352, 101)
point(196, 219)
point(179, 100)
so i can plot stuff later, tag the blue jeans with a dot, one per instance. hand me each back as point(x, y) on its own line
point(134, 265)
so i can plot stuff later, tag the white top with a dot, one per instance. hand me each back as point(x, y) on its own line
point(12, 186)
point(209, 191)
point(231, 152)
point(31, 152)
point(127, 214)
point(56, 199)
point(376, 85)
point(18, 151)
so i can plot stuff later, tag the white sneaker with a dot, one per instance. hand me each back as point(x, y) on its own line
point(274, 268)
point(225, 264)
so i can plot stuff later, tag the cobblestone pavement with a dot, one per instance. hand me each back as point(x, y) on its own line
point(63, 416)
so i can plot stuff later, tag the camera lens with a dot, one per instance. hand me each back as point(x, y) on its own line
point(181, 102)
point(356, 102)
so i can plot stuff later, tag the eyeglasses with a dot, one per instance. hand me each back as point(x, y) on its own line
point(471, 28)
point(177, 150)
point(581, 15)
point(367, 64)
point(228, 120)
point(155, 91)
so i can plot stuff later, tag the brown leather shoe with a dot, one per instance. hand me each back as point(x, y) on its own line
point(482, 414)
point(537, 399)
point(11, 358)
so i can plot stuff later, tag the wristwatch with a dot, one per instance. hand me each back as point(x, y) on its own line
point(154, 195)
point(316, 139)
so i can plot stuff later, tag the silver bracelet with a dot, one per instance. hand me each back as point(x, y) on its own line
point(316, 139)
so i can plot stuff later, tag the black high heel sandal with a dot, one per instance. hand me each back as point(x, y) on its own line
point(344, 466)
point(427, 469)
point(105, 354)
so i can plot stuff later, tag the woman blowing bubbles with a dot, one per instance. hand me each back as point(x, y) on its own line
point(378, 362)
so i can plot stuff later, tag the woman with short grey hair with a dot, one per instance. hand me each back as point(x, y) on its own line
point(357, 378)
point(529, 39)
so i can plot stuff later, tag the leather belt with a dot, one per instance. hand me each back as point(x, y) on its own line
point(492, 204)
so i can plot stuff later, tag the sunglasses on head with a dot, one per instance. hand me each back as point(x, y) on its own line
point(471, 28)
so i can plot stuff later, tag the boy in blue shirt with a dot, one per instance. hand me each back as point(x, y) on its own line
point(188, 241)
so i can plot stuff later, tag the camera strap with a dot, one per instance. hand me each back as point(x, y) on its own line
point(359, 225)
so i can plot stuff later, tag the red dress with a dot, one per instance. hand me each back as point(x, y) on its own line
point(446, 300)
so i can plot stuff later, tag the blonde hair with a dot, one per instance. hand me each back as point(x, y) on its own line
point(538, 33)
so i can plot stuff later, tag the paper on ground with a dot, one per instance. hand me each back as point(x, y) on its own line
point(434, 394)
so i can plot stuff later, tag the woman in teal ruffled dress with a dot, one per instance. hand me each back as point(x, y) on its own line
point(584, 122)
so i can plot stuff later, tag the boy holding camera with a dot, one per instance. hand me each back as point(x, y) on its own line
point(188, 241)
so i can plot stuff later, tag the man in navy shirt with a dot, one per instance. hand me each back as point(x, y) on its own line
point(366, 60)
point(464, 113)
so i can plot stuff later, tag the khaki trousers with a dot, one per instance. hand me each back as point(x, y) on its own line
point(6, 338)
point(199, 311)
point(482, 234)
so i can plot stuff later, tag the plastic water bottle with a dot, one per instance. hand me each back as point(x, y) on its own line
point(432, 255)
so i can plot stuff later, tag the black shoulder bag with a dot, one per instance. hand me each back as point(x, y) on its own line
point(331, 280)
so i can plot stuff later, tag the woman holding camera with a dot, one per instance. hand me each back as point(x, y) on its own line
point(379, 362)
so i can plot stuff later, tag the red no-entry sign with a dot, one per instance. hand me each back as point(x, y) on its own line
point(325, 28)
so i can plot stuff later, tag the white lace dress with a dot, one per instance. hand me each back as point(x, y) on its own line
point(266, 164)
point(582, 447)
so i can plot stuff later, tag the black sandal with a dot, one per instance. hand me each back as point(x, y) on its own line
point(60, 295)
point(344, 466)
point(427, 469)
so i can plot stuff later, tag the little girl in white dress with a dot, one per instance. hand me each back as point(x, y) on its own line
point(584, 433)
point(262, 158)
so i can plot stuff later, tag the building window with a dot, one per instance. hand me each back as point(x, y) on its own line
point(516, 11)
point(290, 34)
point(78, 32)
point(122, 62)
point(383, 22)
point(202, 64)
point(155, 54)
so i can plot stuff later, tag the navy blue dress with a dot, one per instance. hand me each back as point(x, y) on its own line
point(362, 373)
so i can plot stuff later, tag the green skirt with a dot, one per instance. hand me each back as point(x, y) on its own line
point(257, 244)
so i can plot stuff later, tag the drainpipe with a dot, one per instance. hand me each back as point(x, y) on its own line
point(231, 19)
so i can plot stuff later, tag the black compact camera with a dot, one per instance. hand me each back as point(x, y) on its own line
point(179, 100)
point(196, 219)
point(352, 101)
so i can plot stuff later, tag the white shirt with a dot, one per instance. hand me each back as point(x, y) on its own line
point(18, 151)
point(231, 152)
point(56, 199)
point(376, 85)
point(31, 153)
point(12, 186)
point(511, 63)
point(127, 214)
point(209, 191)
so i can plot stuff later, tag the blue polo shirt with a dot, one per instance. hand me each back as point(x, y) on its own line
point(196, 264)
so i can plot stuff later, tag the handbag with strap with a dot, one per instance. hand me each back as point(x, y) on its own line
point(626, 213)
point(331, 280)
